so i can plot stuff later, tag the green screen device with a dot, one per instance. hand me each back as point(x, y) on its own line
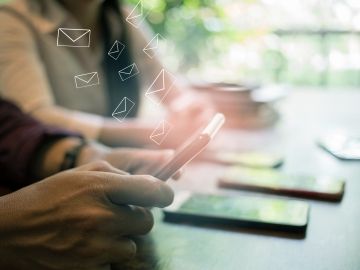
point(241, 211)
point(273, 181)
point(191, 148)
point(252, 159)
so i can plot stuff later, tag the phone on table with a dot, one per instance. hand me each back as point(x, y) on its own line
point(248, 159)
point(191, 148)
point(272, 181)
point(242, 211)
point(341, 145)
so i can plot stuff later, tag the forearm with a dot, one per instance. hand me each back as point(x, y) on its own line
point(130, 133)
point(49, 158)
point(23, 143)
point(87, 124)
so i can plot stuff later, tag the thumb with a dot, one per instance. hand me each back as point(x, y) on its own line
point(99, 166)
point(138, 190)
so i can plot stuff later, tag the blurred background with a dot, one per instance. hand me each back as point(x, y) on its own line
point(297, 42)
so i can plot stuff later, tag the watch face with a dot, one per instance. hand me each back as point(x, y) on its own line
point(71, 156)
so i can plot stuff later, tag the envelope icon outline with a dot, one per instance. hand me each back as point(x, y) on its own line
point(86, 80)
point(116, 50)
point(160, 88)
point(71, 37)
point(128, 72)
point(123, 109)
point(161, 131)
point(152, 47)
point(136, 16)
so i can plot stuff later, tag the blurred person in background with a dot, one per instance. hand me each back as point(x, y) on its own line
point(38, 75)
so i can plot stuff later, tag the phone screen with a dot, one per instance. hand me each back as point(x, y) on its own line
point(248, 159)
point(244, 209)
point(278, 181)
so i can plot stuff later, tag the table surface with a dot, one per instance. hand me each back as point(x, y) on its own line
point(332, 240)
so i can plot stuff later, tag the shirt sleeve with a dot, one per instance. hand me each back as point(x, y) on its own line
point(24, 81)
point(20, 137)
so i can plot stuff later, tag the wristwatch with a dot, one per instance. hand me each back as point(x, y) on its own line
point(71, 155)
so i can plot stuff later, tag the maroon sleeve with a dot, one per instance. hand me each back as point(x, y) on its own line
point(20, 137)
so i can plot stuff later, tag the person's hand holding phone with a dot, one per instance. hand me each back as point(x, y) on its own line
point(191, 147)
point(78, 219)
point(132, 160)
point(187, 113)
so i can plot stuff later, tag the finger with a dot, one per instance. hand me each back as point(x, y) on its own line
point(121, 250)
point(161, 156)
point(100, 166)
point(131, 220)
point(155, 160)
point(167, 155)
point(139, 190)
point(177, 175)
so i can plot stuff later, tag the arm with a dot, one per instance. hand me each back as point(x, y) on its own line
point(50, 157)
point(21, 137)
point(24, 81)
point(30, 151)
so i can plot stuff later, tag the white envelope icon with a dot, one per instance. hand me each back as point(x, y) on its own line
point(129, 72)
point(86, 80)
point(136, 16)
point(161, 131)
point(70, 37)
point(160, 87)
point(116, 50)
point(152, 47)
point(123, 109)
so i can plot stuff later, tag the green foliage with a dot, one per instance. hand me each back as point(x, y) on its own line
point(202, 34)
point(190, 25)
point(235, 39)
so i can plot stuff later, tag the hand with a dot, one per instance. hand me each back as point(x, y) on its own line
point(191, 109)
point(79, 219)
point(187, 113)
point(132, 160)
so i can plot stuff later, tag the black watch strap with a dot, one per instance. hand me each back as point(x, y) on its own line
point(71, 156)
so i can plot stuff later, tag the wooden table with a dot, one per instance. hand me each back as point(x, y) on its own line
point(332, 240)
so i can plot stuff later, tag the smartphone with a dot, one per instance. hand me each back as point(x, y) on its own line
point(341, 145)
point(191, 148)
point(240, 211)
point(247, 159)
point(272, 181)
